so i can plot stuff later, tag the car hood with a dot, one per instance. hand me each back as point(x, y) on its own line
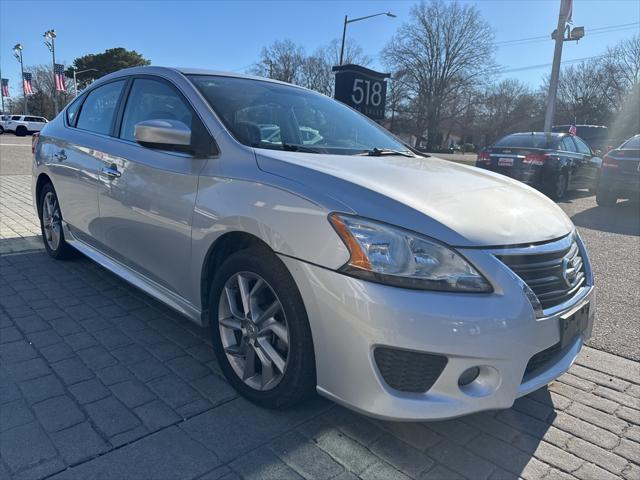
point(457, 204)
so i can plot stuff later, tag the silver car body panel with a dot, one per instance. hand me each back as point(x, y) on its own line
point(156, 224)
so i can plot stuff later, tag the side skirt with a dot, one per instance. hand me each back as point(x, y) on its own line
point(160, 293)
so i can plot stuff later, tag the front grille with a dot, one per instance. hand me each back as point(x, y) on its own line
point(409, 371)
point(541, 358)
point(554, 276)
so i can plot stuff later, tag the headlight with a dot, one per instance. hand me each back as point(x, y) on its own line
point(391, 255)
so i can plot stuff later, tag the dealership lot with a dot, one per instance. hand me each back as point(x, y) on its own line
point(99, 380)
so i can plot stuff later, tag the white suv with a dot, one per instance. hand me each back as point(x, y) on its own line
point(21, 125)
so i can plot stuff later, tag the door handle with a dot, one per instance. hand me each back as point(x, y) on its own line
point(111, 172)
point(60, 156)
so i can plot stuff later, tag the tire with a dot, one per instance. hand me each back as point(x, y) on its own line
point(287, 377)
point(1, 130)
point(606, 198)
point(21, 131)
point(51, 225)
point(557, 189)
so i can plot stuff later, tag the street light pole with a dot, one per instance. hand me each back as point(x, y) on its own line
point(347, 20)
point(75, 82)
point(555, 68)
point(50, 35)
point(17, 52)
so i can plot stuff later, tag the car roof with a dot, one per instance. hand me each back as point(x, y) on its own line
point(151, 70)
point(581, 126)
point(551, 134)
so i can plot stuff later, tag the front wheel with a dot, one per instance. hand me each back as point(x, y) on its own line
point(260, 330)
point(606, 198)
point(51, 225)
point(21, 131)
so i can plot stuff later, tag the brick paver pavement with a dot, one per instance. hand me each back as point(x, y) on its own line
point(97, 380)
point(19, 227)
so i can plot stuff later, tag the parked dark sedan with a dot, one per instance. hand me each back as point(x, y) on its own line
point(620, 173)
point(553, 163)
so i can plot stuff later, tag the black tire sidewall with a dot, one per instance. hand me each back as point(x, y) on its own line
point(64, 250)
point(299, 379)
point(21, 131)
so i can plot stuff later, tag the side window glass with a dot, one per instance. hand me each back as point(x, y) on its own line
point(15, 117)
point(582, 147)
point(153, 100)
point(567, 145)
point(99, 109)
point(72, 111)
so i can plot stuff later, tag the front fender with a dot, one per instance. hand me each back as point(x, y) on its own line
point(289, 224)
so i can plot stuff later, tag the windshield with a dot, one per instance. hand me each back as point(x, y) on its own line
point(270, 115)
point(526, 141)
point(634, 143)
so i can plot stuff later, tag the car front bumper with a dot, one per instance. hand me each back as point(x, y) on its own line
point(497, 332)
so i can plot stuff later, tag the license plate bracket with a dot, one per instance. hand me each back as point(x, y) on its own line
point(573, 324)
point(505, 162)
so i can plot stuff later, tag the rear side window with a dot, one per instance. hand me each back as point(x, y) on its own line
point(99, 109)
point(525, 141)
point(567, 145)
point(16, 117)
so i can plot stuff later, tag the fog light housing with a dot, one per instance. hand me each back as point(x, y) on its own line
point(468, 376)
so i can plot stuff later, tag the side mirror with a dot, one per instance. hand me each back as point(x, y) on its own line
point(598, 152)
point(163, 133)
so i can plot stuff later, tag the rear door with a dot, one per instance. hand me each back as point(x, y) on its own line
point(590, 165)
point(77, 157)
point(146, 208)
point(573, 162)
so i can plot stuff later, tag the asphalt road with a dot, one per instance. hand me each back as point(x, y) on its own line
point(612, 236)
point(15, 154)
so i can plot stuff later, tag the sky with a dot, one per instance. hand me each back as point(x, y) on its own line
point(228, 35)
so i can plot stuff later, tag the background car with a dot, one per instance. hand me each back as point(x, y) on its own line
point(620, 173)
point(22, 125)
point(598, 137)
point(553, 163)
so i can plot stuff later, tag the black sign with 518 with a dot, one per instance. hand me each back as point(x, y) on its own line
point(362, 89)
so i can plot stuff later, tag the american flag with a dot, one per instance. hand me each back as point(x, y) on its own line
point(573, 130)
point(5, 87)
point(58, 76)
point(26, 83)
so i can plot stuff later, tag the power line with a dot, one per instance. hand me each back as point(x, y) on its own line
point(606, 29)
point(545, 65)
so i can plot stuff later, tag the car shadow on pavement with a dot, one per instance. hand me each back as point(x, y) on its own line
point(623, 218)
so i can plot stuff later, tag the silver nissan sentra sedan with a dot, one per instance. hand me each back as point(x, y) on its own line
point(324, 254)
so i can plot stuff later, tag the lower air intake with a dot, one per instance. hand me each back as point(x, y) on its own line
point(409, 371)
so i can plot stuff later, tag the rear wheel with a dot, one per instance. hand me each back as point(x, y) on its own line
point(51, 225)
point(557, 189)
point(606, 198)
point(260, 330)
point(21, 131)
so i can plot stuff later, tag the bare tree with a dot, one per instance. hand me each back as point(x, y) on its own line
point(40, 103)
point(283, 60)
point(444, 48)
point(353, 53)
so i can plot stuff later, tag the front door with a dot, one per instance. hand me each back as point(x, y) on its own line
point(148, 195)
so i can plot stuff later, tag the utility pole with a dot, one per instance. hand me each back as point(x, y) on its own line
point(17, 52)
point(565, 9)
point(50, 42)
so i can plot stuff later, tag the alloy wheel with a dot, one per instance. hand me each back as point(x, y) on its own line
point(51, 220)
point(253, 330)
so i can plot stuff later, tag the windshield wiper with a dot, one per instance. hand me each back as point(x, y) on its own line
point(379, 152)
point(292, 147)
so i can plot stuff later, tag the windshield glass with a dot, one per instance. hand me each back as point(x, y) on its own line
point(634, 143)
point(527, 141)
point(270, 115)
